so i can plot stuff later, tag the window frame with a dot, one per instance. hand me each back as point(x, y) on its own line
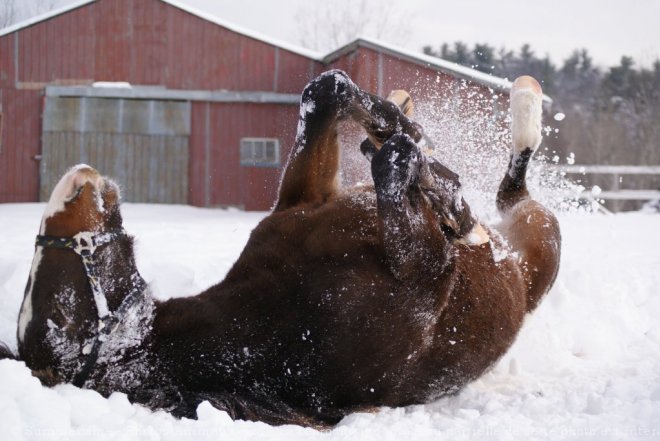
point(260, 159)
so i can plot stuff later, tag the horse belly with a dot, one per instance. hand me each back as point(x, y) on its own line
point(484, 313)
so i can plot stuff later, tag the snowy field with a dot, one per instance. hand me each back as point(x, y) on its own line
point(586, 365)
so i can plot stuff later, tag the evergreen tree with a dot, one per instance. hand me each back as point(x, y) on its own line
point(612, 116)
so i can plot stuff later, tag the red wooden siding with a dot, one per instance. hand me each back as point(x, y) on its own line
point(380, 73)
point(150, 42)
point(223, 126)
point(20, 143)
point(145, 42)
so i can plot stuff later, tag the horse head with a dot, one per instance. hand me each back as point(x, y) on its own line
point(83, 284)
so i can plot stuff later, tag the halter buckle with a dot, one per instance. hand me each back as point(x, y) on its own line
point(85, 243)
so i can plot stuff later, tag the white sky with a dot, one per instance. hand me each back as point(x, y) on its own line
point(608, 28)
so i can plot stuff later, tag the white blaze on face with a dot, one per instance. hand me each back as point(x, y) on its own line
point(25, 316)
point(526, 99)
point(67, 187)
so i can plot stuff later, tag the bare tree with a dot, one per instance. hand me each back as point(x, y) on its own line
point(327, 25)
point(7, 12)
point(36, 7)
point(12, 11)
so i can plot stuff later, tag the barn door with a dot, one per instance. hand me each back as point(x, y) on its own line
point(142, 144)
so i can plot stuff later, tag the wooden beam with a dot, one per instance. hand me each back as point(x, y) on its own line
point(161, 93)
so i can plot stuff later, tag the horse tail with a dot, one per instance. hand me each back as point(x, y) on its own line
point(6, 353)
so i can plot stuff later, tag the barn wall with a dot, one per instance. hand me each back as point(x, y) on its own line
point(122, 40)
point(380, 73)
point(19, 144)
point(217, 129)
point(149, 42)
point(125, 40)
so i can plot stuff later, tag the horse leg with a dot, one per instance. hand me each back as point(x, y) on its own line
point(530, 228)
point(311, 172)
point(411, 235)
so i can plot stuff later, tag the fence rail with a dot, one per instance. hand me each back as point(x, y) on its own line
point(614, 193)
point(609, 169)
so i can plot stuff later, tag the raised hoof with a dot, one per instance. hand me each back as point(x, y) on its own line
point(396, 165)
point(526, 110)
point(403, 101)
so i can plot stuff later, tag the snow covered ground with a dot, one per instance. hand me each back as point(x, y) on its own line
point(585, 366)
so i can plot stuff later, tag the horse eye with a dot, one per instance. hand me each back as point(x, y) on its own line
point(75, 195)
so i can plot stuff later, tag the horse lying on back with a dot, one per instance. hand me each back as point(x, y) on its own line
point(343, 299)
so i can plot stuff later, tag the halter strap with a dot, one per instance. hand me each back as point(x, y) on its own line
point(82, 243)
point(85, 245)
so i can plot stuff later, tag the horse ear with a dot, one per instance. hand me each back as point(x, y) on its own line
point(402, 99)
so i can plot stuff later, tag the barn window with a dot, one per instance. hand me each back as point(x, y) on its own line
point(260, 152)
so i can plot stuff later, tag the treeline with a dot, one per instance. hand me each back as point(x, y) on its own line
point(612, 113)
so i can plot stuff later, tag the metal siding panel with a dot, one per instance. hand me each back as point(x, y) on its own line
point(141, 163)
point(181, 159)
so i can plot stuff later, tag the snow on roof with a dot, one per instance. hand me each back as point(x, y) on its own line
point(454, 69)
point(43, 17)
point(247, 32)
point(380, 46)
point(427, 60)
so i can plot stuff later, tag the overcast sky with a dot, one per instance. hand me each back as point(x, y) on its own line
point(608, 28)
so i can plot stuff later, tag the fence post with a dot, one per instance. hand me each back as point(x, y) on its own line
point(616, 204)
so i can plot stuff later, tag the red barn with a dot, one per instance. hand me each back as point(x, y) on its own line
point(177, 105)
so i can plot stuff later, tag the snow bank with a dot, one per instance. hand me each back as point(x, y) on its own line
point(585, 366)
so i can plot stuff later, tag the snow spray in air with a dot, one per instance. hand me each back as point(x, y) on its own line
point(469, 128)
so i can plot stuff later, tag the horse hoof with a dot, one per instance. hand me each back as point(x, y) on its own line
point(526, 99)
point(396, 165)
point(402, 99)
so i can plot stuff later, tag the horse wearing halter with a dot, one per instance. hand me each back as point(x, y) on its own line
point(85, 244)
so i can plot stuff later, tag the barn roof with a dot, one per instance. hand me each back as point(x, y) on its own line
point(421, 59)
point(43, 17)
point(184, 7)
point(379, 46)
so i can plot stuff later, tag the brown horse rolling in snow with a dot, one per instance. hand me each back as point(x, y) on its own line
point(343, 299)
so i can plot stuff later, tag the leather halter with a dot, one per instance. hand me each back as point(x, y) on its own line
point(85, 245)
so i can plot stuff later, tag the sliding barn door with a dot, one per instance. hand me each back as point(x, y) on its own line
point(142, 144)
